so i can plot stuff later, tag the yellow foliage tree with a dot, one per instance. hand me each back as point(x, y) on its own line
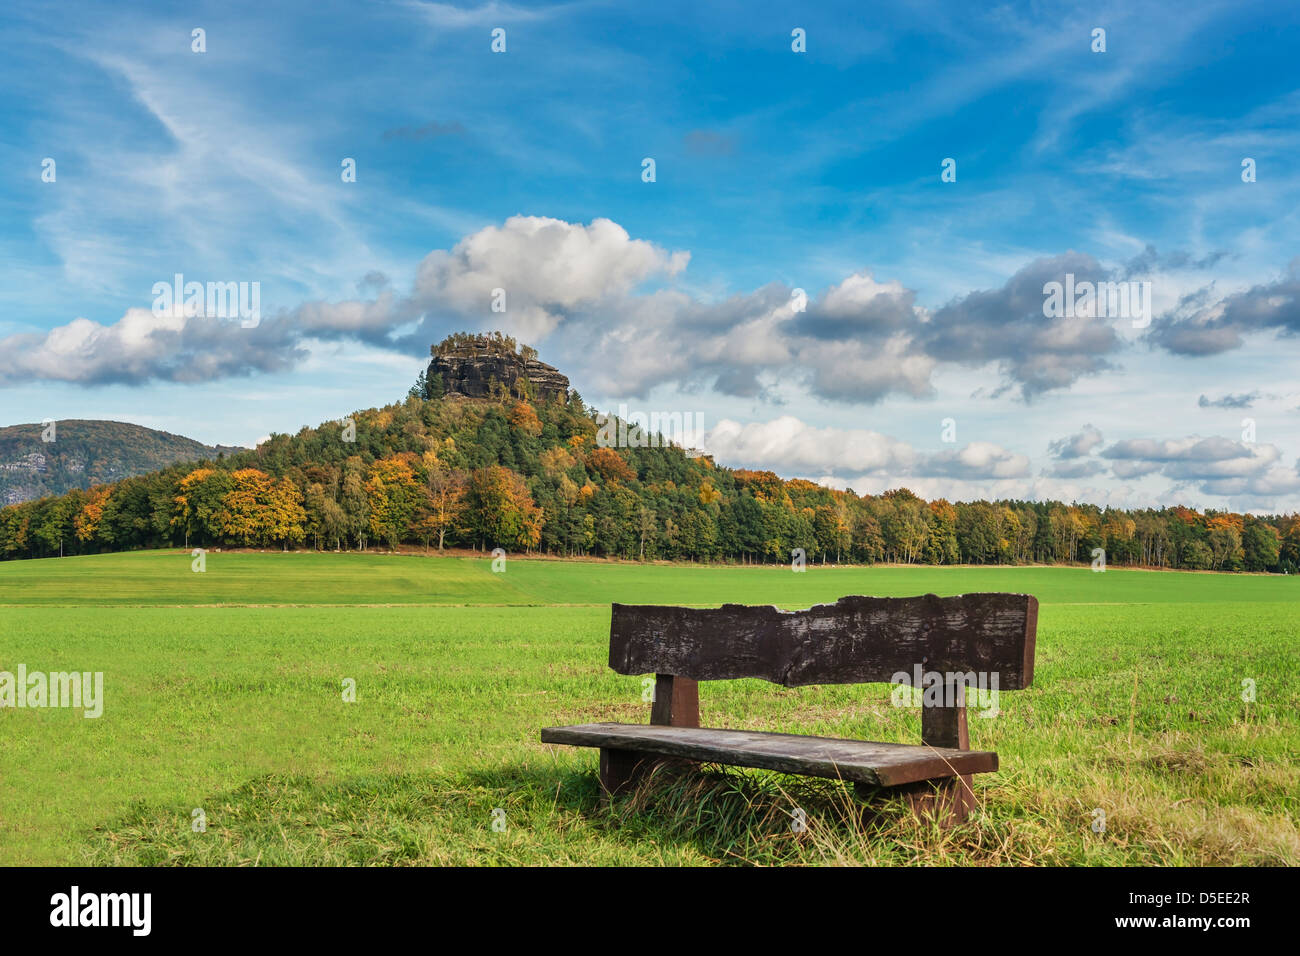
point(260, 510)
point(86, 521)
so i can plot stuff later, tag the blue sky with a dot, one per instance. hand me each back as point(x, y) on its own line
point(775, 170)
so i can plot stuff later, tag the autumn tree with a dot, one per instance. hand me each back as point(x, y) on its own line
point(1225, 543)
point(355, 501)
point(325, 516)
point(393, 494)
point(501, 510)
point(941, 541)
point(556, 461)
point(199, 503)
point(444, 503)
point(259, 510)
point(646, 526)
point(610, 465)
point(86, 523)
point(524, 418)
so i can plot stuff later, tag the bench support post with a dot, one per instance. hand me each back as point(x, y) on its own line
point(944, 725)
point(620, 769)
point(676, 704)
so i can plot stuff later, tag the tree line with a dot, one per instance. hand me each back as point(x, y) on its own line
point(531, 476)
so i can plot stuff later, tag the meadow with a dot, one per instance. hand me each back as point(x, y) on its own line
point(223, 693)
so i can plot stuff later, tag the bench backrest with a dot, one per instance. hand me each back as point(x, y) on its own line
point(855, 640)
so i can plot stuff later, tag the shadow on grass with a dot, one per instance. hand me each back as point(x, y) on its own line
point(724, 814)
point(524, 813)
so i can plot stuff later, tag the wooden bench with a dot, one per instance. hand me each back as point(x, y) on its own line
point(950, 641)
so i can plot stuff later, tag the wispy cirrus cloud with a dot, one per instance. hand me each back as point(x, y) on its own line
point(447, 16)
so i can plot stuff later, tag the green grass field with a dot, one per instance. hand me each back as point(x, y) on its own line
point(223, 692)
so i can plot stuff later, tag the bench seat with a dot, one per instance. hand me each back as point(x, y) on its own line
point(861, 761)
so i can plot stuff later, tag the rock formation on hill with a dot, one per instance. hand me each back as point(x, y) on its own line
point(468, 365)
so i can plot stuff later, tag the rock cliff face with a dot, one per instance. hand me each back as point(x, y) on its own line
point(469, 368)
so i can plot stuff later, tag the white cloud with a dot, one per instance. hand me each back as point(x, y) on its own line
point(1078, 444)
point(143, 346)
point(546, 267)
point(580, 291)
point(1220, 466)
point(788, 446)
point(979, 459)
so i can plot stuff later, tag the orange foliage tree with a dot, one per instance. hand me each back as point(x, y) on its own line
point(610, 465)
point(524, 418)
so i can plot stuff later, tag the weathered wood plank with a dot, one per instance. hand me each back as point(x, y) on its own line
point(854, 640)
point(866, 761)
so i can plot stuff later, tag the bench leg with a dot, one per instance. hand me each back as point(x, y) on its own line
point(943, 724)
point(621, 770)
point(676, 704)
point(948, 801)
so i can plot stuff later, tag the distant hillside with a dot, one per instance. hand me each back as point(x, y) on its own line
point(85, 453)
point(491, 448)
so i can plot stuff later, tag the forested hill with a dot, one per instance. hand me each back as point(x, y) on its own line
point(51, 458)
point(510, 470)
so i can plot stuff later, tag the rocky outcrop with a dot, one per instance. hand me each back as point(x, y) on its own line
point(548, 382)
point(469, 368)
